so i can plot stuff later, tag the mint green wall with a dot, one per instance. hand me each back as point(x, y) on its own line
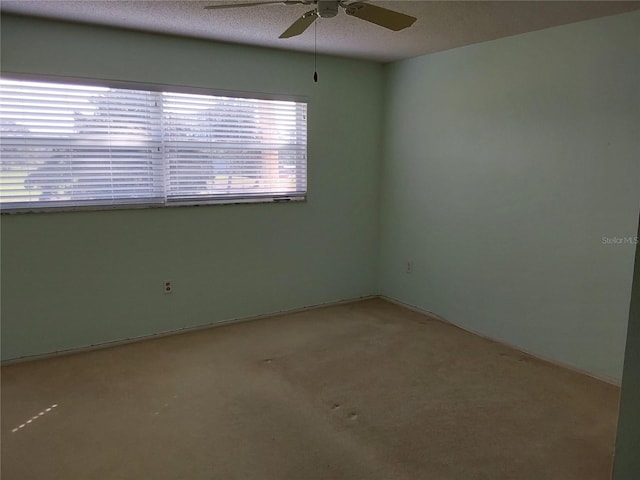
point(627, 460)
point(505, 164)
point(75, 279)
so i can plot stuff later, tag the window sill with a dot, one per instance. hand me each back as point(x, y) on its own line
point(140, 206)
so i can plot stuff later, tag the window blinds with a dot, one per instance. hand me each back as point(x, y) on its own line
point(233, 147)
point(73, 146)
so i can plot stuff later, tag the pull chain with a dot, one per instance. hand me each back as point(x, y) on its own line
point(315, 51)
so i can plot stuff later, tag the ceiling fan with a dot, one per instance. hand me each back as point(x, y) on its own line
point(329, 8)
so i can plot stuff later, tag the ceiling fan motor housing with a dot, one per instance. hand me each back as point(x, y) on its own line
point(327, 8)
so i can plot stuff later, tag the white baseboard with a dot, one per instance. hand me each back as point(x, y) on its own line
point(220, 323)
point(178, 331)
point(428, 313)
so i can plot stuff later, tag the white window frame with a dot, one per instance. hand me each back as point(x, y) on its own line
point(132, 203)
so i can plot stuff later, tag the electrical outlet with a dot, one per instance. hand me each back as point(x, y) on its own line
point(168, 287)
point(409, 267)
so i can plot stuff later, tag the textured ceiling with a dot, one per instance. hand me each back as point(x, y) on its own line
point(440, 26)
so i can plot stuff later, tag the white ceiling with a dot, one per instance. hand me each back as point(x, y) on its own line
point(441, 25)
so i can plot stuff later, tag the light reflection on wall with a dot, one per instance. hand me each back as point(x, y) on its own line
point(35, 417)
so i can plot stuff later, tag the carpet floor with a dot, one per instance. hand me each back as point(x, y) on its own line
point(367, 390)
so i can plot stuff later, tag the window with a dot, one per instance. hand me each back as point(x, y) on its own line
point(71, 146)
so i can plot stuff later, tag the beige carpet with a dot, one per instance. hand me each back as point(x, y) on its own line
point(361, 391)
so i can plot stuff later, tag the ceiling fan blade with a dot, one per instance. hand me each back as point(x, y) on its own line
point(300, 25)
point(254, 4)
point(380, 16)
